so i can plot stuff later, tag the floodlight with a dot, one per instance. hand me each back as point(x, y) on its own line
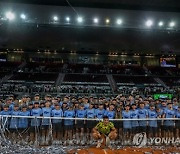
point(149, 23)
point(80, 19)
point(55, 18)
point(23, 16)
point(172, 24)
point(107, 21)
point(160, 23)
point(119, 21)
point(67, 19)
point(10, 15)
point(96, 20)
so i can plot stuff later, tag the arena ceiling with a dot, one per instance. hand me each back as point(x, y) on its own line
point(151, 5)
point(38, 33)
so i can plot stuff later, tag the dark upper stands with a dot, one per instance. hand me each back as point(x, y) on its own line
point(86, 68)
point(171, 81)
point(43, 67)
point(174, 71)
point(159, 71)
point(32, 77)
point(7, 68)
point(127, 70)
point(134, 79)
point(85, 78)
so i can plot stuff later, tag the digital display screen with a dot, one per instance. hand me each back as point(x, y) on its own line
point(168, 62)
point(163, 96)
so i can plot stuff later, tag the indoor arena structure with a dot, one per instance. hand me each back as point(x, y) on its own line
point(89, 77)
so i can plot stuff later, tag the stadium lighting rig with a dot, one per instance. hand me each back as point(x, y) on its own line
point(10, 16)
point(149, 23)
point(79, 19)
point(68, 19)
point(107, 21)
point(55, 18)
point(95, 20)
point(23, 16)
point(160, 24)
point(119, 21)
point(172, 24)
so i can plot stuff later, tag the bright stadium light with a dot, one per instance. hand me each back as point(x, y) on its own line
point(10, 16)
point(55, 18)
point(119, 21)
point(67, 19)
point(96, 20)
point(23, 16)
point(80, 19)
point(172, 24)
point(160, 23)
point(149, 23)
point(107, 21)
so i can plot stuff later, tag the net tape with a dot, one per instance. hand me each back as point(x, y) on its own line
point(96, 119)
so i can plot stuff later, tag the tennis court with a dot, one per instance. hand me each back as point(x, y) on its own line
point(126, 150)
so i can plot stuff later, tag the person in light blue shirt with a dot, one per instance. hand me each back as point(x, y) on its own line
point(86, 106)
point(5, 110)
point(30, 107)
point(42, 104)
point(5, 120)
point(126, 114)
point(160, 113)
point(57, 123)
point(127, 127)
point(23, 123)
point(146, 104)
point(100, 111)
point(152, 123)
point(64, 106)
point(35, 122)
point(11, 106)
point(46, 112)
point(142, 114)
point(46, 123)
point(110, 113)
point(163, 105)
point(81, 113)
point(85, 102)
point(76, 106)
point(175, 104)
point(134, 115)
point(10, 103)
point(69, 114)
point(178, 122)
point(54, 101)
point(90, 114)
point(57, 112)
point(119, 123)
point(68, 123)
point(14, 122)
point(36, 112)
point(169, 124)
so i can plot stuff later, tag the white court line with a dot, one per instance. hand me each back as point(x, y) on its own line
point(104, 151)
